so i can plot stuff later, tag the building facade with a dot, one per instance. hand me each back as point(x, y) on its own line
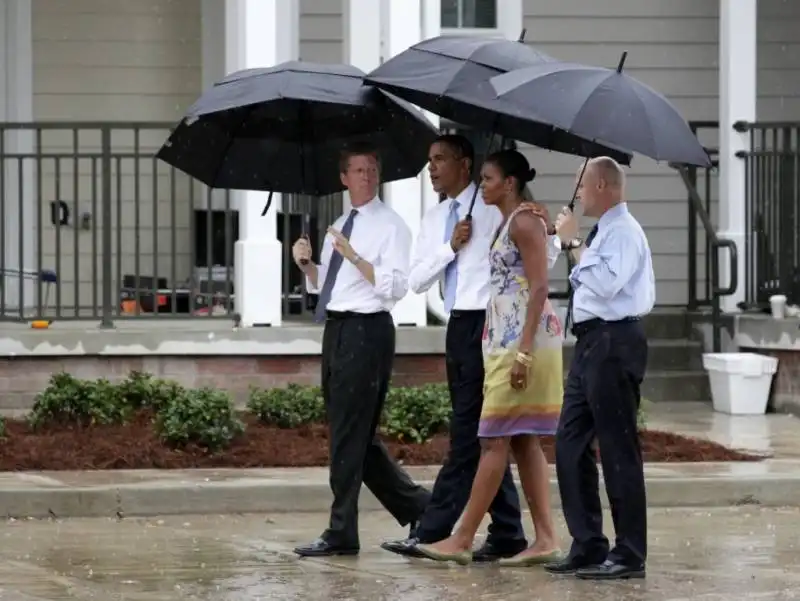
point(86, 61)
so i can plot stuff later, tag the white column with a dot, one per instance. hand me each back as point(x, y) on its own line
point(737, 102)
point(259, 33)
point(362, 42)
point(401, 22)
point(16, 105)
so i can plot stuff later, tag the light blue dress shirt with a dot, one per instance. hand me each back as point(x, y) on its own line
point(614, 278)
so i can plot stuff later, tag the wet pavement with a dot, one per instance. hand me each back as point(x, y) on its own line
point(734, 554)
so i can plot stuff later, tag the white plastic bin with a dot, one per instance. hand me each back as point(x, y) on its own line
point(740, 382)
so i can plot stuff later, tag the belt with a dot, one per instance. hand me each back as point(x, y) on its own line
point(461, 313)
point(338, 315)
point(584, 327)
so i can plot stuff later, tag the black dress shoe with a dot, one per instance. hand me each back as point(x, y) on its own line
point(322, 548)
point(610, 570)
point(568, 565)
point(495, 550)
point(407, 547)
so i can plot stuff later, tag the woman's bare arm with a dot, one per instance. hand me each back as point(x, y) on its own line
point(528, 233)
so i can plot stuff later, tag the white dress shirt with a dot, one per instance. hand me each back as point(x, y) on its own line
point(381, 237)
point(432, 253)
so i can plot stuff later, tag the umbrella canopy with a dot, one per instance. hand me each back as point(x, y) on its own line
point(449, 76)
point(282, 129)
point(603, 105)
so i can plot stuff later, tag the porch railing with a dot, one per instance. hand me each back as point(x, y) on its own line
point(772, 192)
point(93, 226)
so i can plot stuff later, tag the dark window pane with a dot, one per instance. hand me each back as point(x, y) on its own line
point(479, 14)
point(449, 13)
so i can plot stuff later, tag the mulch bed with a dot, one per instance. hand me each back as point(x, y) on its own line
point(135, 445)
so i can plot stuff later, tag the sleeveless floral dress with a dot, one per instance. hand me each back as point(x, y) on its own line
point(535, 410)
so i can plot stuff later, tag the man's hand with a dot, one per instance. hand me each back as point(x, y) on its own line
point(461, 234)
point(566, 224)
point(541, 212)
point(301, 252)
point(342, 245)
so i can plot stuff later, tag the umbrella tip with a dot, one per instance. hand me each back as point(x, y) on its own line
point(622, 61)
point(522, 35)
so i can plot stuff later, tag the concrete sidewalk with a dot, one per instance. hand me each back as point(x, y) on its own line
point(233, 491)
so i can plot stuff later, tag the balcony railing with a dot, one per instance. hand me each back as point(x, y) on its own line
point(94, 227)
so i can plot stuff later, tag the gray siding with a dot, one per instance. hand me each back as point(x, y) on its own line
point(672, 46)
point(321, 31)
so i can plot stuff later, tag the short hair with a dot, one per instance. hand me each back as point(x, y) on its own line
point(357, 149)
point(459, 144)
point(609, 171)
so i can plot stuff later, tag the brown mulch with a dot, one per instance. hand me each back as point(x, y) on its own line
point(135, 445)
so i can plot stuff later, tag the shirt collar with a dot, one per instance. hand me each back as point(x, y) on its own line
point(369, 207)
point(612, 214)
point(464, 197)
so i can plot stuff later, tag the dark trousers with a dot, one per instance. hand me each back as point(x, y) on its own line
point(601, 399)
point(357, 357)
point(464, 357)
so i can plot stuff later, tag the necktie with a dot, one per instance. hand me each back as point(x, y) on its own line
point(333, 269)
point(451, 272)
point(569, 317)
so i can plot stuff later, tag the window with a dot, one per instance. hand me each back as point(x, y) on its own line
point(469, 14)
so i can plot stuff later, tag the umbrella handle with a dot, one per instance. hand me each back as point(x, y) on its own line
point(577, 185)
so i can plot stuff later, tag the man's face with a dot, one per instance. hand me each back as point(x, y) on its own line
point(588, 187)
point(447, 171)
point(362, 177)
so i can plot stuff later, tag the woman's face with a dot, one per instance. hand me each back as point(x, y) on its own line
point(493, 184)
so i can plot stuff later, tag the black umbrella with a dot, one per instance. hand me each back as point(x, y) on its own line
point(449, 76)
point(282, 129)
point(603, 105)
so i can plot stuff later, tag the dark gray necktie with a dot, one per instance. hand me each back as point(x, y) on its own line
point(568, 318)
point(333, 270)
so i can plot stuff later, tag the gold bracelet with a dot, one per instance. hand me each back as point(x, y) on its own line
point(525, 359)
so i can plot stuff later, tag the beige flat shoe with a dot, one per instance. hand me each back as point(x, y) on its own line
point(525, 561)
point(462, 558)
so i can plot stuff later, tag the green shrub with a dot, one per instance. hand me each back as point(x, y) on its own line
point(204, 417)
point(70, 400)
point(641, 415)
point(142, 390)
point(415, 414)
point(2, 427)
point(288, 407)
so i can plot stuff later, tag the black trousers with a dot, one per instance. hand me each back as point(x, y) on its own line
point(601, 399)
point(464, 357)
point(357, 357)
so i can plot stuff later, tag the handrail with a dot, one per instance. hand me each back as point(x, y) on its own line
point(716, 243)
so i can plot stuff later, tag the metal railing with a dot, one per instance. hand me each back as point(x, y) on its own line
point(95, 227)
point(700, 207)
point(772, 196)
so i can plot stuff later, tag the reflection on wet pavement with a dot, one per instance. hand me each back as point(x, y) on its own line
point(731, 554)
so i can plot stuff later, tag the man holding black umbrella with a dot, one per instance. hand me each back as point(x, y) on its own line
point(454, 250)
point(614, 287)
point(363, 272)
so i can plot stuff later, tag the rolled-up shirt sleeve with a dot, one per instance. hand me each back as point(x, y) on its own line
point(605, 268)
point(322, 267)
point(553, 250)
point(391, 267)
point(431, 257)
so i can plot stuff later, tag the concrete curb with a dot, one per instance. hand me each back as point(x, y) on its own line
point(248, 494)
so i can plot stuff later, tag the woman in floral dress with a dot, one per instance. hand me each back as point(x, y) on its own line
point(523, 386)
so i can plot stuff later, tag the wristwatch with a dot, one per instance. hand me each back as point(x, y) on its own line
point(572, 244)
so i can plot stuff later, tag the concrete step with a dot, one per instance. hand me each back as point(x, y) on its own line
point(673, 385)
point(663, 354)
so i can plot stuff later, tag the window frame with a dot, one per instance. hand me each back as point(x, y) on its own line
point(510, 19)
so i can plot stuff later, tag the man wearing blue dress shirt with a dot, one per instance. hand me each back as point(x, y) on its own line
point(614, 287)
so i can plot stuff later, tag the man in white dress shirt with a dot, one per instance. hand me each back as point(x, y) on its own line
point(455, 251)
point(363, 272)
